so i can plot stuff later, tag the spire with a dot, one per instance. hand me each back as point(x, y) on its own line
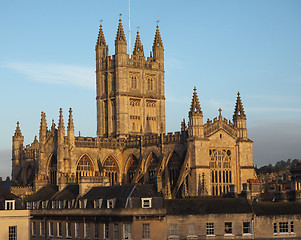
point(18, 132)
point(120, 33)
point(138, 48)
point(101, 38)
point(43, 127)
point(61, 126)
point(157, 40)
point(195, 104)
point(239, 109)
point(70, 121)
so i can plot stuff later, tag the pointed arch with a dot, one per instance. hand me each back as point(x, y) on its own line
point(111, 170)
point(131, 167)
point(85, 166)
point(52, 169)
point(151, 165)
point(173, 165)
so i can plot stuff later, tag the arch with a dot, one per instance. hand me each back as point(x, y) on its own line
point(151, 165)
point(174, 164)
point(85, 166)
point(52, 169)
point(111, 170)
point(131, 167)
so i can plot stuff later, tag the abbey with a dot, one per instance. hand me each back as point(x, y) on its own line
point(131, 145)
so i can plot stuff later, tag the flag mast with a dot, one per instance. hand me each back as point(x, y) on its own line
point(129, 29)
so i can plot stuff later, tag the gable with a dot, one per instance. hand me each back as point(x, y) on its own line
point(222, 139)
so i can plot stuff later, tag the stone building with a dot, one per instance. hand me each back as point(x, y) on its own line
point(131, 146)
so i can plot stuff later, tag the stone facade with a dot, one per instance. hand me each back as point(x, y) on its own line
point(131, 145)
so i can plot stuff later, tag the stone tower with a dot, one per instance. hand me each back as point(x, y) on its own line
point(130, 90)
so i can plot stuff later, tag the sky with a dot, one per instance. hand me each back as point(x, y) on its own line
point(47, 62)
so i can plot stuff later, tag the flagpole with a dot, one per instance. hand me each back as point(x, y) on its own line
point(129, 29)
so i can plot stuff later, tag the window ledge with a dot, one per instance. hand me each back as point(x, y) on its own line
point(173, 237)
point(211, 235)
point(247, 234)
point(228, 234)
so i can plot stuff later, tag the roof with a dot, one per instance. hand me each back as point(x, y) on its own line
point(276, 208)
point(121, 193)
point(68, 193)
point(207, 205)
point(6, 184)
point(5, 195)
point(43, 194)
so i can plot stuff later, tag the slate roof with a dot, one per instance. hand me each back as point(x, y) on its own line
point(5, 195)
point(68, 193)
point(276, 208)
point(207, 205)
point(121, 193)
point(6, 184)
point(43, 194)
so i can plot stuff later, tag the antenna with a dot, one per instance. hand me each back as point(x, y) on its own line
point(130, 28)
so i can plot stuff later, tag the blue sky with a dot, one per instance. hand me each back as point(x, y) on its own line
point(47, 61)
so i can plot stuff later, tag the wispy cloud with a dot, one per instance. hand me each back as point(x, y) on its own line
point(56, 73)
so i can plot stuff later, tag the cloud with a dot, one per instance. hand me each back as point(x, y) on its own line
point(56, 73)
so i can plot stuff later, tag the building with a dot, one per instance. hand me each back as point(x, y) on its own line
point(14, 219)
point(131, 146)
point(139, 212)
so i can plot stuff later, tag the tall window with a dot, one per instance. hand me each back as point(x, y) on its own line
point(42, 228)
point(12, 233)
point(110, 169)
point(228, 227)
point(52, 170)
point(145, 231)
point(153, 164)
point(77, 230)
point(68, 229)
point(51, 231)
point(246, 227)
point(132, 168)
point(173, 230)
point(59, 229)
point(127, 233)
point(221, 174)
point(85, 167)
point(106, 230)
point(86, 230)
point(210, 229)
point(33, 229)
point(275, 228)
point(292, 227)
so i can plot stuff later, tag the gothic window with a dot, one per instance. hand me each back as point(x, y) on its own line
point(150, 84)
point(132, 168)
point(221, 174)
point(85, 167)
point(52, 170)
point(152, 165)
point(134, 82)
point(174, 166)
point(110, 169)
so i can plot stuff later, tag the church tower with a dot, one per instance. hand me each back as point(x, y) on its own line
point(130, 90)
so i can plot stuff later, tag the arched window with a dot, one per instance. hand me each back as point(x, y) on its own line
point(52, 170)
point(110, 169)
point(220, 165)
point(132, 169)
point(152, 165)
point(174, 165)
point(85, 167)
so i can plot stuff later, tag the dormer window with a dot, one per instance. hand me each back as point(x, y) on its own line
point(9, 204)
point(110, 203)
point(97, 203)
point(146, 202)
point(43, 204)
point(28, 205)
point(34, 205)
point(61, 204)
point(83, 203)
point(54, 205)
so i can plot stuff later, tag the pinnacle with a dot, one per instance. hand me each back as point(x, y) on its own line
point(120, 33)
point(239, 109)
point(18, 132)
point(138, 48)
point(70, 121)
point(101, 38)
point(61, 120)
point(157, 40)
point(195, 106)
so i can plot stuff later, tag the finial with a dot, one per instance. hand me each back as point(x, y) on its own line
point(157, 23)
point(120, 17)
point(238, 94)
point(100, 21)
point(79, 133)
point(220, 111)
point(18, 123)
point(194, 89)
